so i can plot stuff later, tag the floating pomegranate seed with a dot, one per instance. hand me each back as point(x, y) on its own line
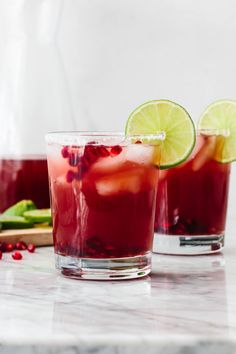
point(91, 153)
point(0, 254)
point(9, 247)
point(21, 245)
point(65, 152)
point(17, 256)
point(116, 150)
point(24, 245)
point(3, 246)
point(138, 142)
point(31, 248)
point(102, 151)
point(70, 176)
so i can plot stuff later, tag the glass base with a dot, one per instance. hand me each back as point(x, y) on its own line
point(188, 244)
point(104, 269)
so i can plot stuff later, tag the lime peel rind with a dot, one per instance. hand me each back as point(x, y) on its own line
point(221, 115)
point(160, 115)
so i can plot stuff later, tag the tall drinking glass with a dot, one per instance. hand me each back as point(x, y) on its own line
point(192, 201)
point(103, 193)
point(34, 97)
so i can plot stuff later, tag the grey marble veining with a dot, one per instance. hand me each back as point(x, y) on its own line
point(187, 305)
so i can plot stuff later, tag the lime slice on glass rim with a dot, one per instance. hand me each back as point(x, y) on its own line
point(220, 118)
point(169, 117)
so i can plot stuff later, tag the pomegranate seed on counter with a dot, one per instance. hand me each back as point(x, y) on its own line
point(3, 246)
point(31, 248)
point(9, 247)
point(21, 245)
point(17, 256)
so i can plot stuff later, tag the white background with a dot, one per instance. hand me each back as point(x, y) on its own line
point(116, 54)
point(120, 53)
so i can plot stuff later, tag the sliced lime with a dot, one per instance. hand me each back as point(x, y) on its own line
point(19, 208)
point(220, 119)
point(165, 116)
point(39, 215)
point(14, 222)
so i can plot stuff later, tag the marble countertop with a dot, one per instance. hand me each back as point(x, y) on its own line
point(187, 305)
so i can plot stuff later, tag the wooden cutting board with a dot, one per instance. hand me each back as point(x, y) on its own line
point(37, 236)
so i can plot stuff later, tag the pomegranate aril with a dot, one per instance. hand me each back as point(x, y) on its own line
point(138, 142)
point(21, 245)
point(70, 176)
point(3, 246)
point(17, 256)
point(102, 151)
point(65, 152)
point(9, 247)
point(116, 150)
point(91, 153)
point(31, 248)
point(0, 254)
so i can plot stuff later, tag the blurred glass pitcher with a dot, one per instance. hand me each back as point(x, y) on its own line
point(34, 97)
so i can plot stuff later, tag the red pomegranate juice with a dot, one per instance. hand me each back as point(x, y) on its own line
point(103, 200)
point(192, 198)
point(25, 178)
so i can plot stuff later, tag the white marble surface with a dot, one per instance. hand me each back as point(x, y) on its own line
point(187, 305)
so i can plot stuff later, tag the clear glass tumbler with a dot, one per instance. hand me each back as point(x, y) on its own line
point(192, 201)
point(103, 193)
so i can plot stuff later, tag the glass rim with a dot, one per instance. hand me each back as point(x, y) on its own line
point(213, 131)
point(60, 136)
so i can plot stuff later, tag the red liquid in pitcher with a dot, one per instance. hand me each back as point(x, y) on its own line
point(103, 201)
point(192, 198)
point(23, 179)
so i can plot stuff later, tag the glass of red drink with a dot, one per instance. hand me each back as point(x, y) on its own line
point(192, 202)
point(103, 192)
